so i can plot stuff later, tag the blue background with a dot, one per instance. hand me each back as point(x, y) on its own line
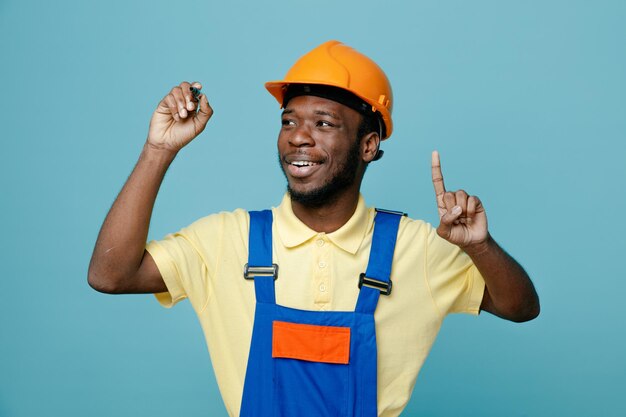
point(524, 100)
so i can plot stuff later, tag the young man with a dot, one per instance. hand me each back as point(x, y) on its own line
point(342, 302)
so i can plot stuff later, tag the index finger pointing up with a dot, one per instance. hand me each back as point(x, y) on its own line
point(440, 187)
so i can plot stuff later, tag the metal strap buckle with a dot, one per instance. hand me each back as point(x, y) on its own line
point(249, 272)
point(382, 286)
point(400, 213)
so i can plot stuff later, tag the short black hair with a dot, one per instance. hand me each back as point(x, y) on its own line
point(370, 123)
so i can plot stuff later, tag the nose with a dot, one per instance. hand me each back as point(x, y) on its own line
point(301, 136)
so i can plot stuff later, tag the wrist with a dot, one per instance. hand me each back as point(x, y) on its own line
point(479, 248)
point(158, 153)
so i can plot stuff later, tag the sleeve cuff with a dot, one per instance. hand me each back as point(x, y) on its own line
point(163, 260)
point(477, 290)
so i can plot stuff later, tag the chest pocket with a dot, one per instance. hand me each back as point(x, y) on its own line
point(311, 369)
point(307, 342)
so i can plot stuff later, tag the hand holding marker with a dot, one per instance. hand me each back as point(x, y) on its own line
point(180, 117)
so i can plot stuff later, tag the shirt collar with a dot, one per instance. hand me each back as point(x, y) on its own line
point(293, 232)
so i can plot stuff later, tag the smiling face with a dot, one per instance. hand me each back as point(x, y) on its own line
point(319, 151)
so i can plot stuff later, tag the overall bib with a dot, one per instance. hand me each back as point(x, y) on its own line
point(314, 363)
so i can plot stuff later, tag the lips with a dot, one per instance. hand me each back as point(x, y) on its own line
point(301, 166)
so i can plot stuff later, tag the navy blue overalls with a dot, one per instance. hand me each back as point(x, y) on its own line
point(314, 363)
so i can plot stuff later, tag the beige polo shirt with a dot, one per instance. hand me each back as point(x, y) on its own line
point(318, 271)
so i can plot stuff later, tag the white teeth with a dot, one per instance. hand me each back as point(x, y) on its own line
point(303, 163)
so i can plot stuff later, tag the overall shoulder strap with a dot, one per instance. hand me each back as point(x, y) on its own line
point(376, 279)
point(260, 266)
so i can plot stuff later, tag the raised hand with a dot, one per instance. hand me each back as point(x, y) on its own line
point(176, 122)
point(462, 218)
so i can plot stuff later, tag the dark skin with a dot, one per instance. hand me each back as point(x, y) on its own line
point(120, 264)
point(509, 292)
point(321, 132)
point(314, 143)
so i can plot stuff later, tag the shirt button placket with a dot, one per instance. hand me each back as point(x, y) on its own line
point(322, 273)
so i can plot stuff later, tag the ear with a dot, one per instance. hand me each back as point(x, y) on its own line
point(369, 146)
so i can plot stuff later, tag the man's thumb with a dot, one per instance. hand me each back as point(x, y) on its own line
point(447, 221)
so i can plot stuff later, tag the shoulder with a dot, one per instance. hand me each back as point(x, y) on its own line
point(235, 217)
point(420, 230)
point(217, 224)
point(414, 228)
point(416, 235)
point(413, 234)
point(409, 228)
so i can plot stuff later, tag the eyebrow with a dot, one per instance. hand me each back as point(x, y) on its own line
point(327, 113)
point(317, 112)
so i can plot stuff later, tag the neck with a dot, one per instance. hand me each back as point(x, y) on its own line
point(331, 216)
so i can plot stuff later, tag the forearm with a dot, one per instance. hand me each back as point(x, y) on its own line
point(120, 245)
point(510, 292)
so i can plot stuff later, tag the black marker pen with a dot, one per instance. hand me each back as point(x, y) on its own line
point(196, 92)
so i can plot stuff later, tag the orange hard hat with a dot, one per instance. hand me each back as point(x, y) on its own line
point(337, 65)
